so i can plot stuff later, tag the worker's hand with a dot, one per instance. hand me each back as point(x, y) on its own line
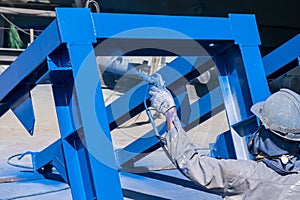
point(161, 100)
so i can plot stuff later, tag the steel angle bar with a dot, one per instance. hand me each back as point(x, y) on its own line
point(53, 155)
point(20, 103)
point(242, 77)
point(79, 179)
point(59, 162)
point(246, 35)
point(237, 82)
point(255, 74)
point(72, 150)
point(98, 158)
point(45, 156)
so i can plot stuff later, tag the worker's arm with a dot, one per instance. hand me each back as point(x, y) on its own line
point(207, 172)
point(170, 115)
point(239, 179)
point(220, 176)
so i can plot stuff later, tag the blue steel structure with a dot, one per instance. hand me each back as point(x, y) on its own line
point(64, 55)
point(283, 58)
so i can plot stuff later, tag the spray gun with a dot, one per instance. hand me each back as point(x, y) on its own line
point(154, 80)
point(157, 81)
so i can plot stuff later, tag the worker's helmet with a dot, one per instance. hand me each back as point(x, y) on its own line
point(280, 113)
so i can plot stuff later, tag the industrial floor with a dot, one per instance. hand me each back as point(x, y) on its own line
point(154, 183)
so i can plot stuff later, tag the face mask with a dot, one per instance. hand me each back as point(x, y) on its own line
point(277, 153)
point(266, 142)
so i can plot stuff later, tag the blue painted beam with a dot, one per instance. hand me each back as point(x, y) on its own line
point(244, 29)
point(255, 73)
point(239, 66)
point(95, 129)
point(79, 21)
point(282, 56)
point(88, 151)
point(29, 60)
point(159, 27)
point(20, 103)
point(45, 156)
point(79, 180)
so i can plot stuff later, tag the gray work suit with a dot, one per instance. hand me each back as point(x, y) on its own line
point(232, 179)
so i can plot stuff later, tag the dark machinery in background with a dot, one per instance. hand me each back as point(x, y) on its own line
point(277, 23)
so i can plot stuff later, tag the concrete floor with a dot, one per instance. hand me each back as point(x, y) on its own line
point(18, 183)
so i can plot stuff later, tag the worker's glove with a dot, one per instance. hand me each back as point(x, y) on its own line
point(161, 100)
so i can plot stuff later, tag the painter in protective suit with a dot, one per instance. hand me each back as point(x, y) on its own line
point(239, 179)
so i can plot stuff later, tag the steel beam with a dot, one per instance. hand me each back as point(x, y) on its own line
point(88, 150)
point(45, 157)
point(97, 139)
point(30, 61)
point(146, 26)
point(282, 56)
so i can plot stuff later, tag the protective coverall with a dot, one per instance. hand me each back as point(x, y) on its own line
point(232, 179)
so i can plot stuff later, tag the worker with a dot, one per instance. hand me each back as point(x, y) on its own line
point(242, 179)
